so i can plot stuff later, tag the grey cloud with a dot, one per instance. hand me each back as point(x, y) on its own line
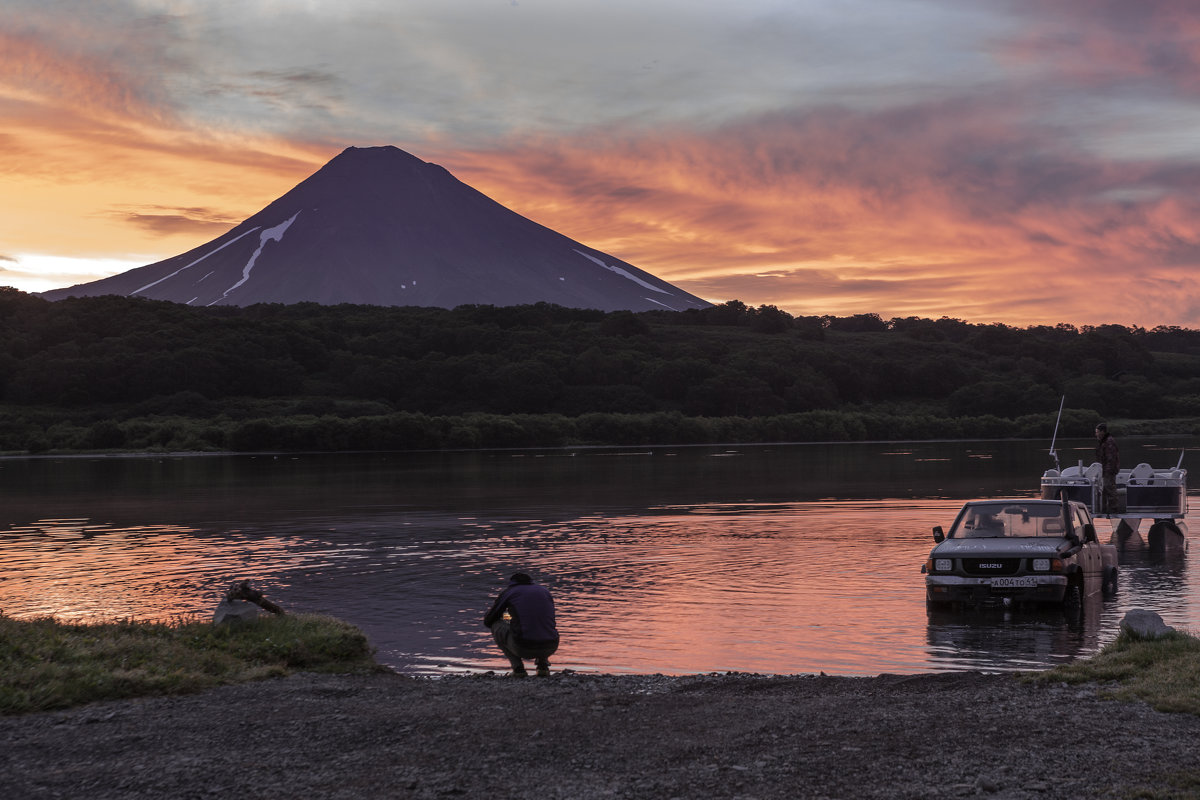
point(426, 70)
point(297, 77)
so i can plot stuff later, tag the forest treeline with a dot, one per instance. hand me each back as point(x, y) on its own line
point(117, 373)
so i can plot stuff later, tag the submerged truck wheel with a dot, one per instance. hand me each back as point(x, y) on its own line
point(1109, 587)
point(1073, 601)
point(936, 606)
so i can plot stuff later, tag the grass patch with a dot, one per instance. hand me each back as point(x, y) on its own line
point(1163, 672)
point(46, 664)
point(1176, 786)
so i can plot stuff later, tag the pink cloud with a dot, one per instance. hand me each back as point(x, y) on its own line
point(1105, 42)
point(49, 67)
point(947, 208)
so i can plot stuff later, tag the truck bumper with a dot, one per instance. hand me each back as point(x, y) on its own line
point(955, 589)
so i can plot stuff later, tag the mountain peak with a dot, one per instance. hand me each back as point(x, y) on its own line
point(379, 226)
point(373, 154)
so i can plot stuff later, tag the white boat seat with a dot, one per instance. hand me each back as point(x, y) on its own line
point(1142, 474)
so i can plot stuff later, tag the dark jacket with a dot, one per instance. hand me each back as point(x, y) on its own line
point(532, 610)
point(1108, 455)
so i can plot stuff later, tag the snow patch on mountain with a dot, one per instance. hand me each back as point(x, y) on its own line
point(624, 274)
point(269, 235)
point(194, 263)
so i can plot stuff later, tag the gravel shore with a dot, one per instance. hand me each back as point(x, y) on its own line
point(580, 736)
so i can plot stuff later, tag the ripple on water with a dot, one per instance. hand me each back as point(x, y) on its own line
point(685, 588)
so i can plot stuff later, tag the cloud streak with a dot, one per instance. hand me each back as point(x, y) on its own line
point(188, 221)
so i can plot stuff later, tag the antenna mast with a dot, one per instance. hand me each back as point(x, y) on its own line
point(1053, 452)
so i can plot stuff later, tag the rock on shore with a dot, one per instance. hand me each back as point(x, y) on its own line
point(594, 736)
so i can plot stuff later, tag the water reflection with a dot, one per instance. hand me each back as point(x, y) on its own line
point(770, 560)
point(81, 569)
point(1000, 639)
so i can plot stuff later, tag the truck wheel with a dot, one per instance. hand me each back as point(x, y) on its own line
point(1073, 601)
point(1109, 587)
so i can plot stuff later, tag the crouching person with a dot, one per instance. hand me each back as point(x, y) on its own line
point(529, 633)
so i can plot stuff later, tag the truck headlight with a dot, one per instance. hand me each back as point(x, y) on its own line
point(943, 564)
point(1041, 565)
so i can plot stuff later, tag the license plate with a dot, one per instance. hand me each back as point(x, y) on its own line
point(1013, 583)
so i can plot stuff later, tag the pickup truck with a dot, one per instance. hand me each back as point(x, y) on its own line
point(1019, 552)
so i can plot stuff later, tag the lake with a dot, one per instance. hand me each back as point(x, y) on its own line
point(674, 560)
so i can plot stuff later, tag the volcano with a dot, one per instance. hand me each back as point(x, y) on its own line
point(379, 226)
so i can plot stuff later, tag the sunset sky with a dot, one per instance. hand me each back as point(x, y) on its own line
point(1017, 161)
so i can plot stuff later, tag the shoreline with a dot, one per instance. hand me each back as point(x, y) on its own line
point(11, 455)
point(572, 735)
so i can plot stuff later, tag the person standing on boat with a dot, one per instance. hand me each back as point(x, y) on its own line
point(529, 630)
point(1110, 461)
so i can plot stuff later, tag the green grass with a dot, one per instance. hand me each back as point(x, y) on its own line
point(46, 664)
point(1177, 786)
point(1164, 672)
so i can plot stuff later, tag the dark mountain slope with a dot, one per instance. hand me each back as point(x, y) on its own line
point(379, 226)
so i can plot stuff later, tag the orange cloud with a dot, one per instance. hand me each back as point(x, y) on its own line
point(940, 209)
point(96, 149)
point(93, 159)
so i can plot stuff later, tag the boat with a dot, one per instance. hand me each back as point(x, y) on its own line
point(1143, 493)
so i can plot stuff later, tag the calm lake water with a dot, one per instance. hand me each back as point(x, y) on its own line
point(774, 559)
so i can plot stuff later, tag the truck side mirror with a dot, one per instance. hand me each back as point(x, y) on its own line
point(938, 535)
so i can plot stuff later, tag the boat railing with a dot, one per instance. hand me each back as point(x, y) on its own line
point(1142, 492)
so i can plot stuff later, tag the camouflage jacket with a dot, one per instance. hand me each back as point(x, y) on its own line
point(1108, 455)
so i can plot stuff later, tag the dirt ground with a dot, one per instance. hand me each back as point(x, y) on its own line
point(595, 736)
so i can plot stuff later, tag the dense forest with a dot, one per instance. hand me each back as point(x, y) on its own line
point(116, 373)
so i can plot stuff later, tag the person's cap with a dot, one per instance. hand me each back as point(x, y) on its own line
point(521, 577)
point(1101, 426)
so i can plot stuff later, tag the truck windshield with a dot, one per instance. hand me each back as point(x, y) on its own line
point(986, 520)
